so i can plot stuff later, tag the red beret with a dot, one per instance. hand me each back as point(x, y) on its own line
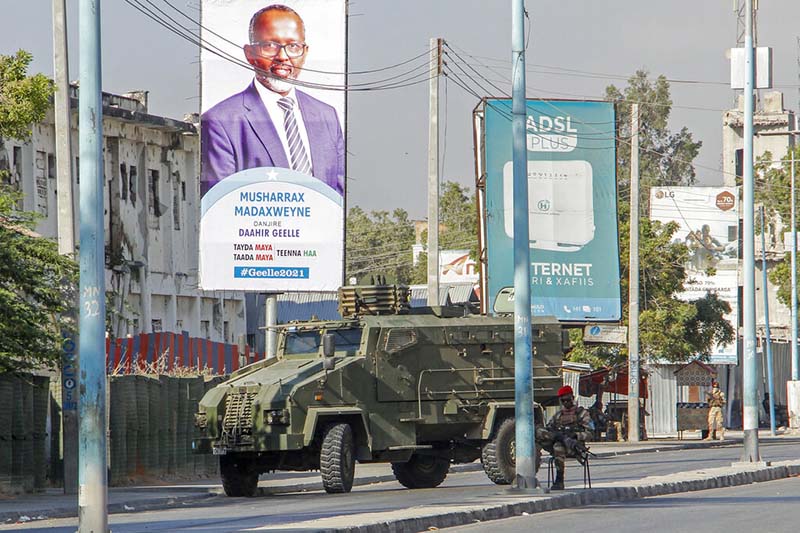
point(563, 391)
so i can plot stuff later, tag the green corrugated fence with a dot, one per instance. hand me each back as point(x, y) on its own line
point(23, 432)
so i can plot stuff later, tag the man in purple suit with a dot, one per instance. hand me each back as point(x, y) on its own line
point(271, 123)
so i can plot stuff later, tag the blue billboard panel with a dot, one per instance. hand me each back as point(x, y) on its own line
point(572, 202)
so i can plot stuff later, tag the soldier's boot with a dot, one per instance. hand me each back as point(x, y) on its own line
point(558, 483)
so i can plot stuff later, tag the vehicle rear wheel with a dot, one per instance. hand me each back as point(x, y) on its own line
point(422, 471)
point(239, 478)
point(337, 459)
point(498, 455)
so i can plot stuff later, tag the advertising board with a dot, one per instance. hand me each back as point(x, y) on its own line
point(272, 145)
point(572, 202)
point(708, 223)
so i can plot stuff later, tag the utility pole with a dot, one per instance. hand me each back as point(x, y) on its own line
point(767, 334)
point(433, 173)
point(66, 243)
point(93, 483)
point(750, 366)
point(633, 291)
point(793, 387)
point(523, 365)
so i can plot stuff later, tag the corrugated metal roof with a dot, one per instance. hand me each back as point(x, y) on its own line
point(457, 293)
point(304, 305)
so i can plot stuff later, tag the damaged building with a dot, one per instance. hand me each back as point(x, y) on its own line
point(151, 217)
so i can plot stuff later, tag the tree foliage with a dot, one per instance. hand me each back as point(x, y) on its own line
point(458, 226)
point(379, 243)
point(773, 190)
point(665, 157)
point(36, 287)
point(670, 329)
point(24, 99)
point(36, 283)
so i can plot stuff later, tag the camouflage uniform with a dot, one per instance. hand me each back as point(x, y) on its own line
point(546, 437)
point(716, 400)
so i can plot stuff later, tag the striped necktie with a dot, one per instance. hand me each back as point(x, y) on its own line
point(297, 150)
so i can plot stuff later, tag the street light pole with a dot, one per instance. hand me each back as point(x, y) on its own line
point(750, 366)
point(523, 366)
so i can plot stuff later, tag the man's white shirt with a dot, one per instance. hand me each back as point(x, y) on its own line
point(270, 100)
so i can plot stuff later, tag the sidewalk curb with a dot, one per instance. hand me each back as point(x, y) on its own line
point(166, 502)
point(601, 495)
point(163, 502)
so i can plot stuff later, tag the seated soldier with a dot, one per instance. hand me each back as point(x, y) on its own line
point(568, 428)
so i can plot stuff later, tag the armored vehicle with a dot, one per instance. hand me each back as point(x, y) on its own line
point(420, 388)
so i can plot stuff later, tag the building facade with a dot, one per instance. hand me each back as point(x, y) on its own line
point(151, 217)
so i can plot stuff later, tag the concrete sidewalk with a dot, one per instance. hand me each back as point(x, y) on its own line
point(54, 504)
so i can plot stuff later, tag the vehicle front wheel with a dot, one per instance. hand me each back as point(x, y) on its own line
point(337, 461)
point(498, 455)
point(422, 471)
point(239, 478)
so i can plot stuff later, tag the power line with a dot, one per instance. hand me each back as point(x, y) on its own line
point(187, 34)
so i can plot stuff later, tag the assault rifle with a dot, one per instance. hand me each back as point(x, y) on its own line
point(568, 436)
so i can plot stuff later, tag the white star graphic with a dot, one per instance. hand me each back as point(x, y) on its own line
point(272, 175)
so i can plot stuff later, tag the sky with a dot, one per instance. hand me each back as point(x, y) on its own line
point(576, 48)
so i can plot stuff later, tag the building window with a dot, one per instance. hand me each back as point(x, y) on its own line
point(40, 180)
point(739, 165)
point(226, 331)
point(176, 202)
point(133, 183)
point(179, 325)
point(16, 165)
point(123, 176)
point(205, 329)
point(153, 200)
point(135, 325)
point(156, 325)
point(51, 166)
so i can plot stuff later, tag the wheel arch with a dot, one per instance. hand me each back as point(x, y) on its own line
point(495, 414)
point(319, 417)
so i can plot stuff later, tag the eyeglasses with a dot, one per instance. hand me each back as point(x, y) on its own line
point(271, 48)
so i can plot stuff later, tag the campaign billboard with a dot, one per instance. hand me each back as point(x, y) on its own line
point(708, 223)
point(572, 203)
point(272, 143)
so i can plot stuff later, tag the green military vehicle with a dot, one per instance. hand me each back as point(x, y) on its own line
point(420, 388)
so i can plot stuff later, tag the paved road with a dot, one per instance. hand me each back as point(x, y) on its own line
point(771, 506)
point(221, 514)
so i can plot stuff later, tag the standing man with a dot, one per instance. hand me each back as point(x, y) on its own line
point(716, 400)
point(271, 123)
point(571, 425)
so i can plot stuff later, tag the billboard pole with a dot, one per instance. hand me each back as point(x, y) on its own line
point(92, 480)
point(633, 290)
point(750, 366)
point(523, 365)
